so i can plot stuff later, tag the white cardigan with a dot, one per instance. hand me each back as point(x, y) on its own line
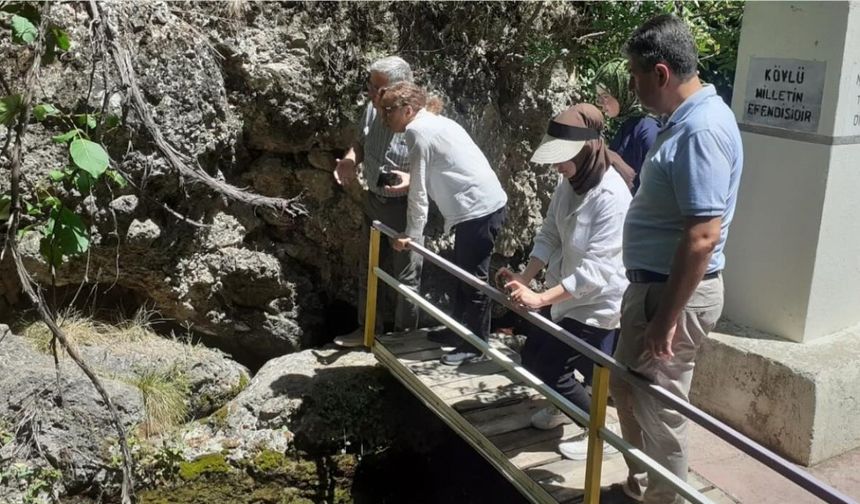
point(446, 166)
point(580, 242)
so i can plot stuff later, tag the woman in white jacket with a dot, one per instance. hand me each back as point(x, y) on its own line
point(445, 165)
point(579, 244)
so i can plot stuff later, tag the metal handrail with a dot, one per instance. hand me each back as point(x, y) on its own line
point(767, 457)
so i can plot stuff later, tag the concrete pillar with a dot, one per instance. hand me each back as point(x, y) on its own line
point(793, 255)
point(782, 366)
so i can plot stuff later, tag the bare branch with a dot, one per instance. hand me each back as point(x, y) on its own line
point(6, 89)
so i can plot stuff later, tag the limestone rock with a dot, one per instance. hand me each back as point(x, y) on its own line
point(316, 398)
point(70, 425)
point(142, 233)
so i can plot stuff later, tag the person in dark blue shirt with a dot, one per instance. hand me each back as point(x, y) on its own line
point(637, 130)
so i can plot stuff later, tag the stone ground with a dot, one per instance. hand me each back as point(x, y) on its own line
point(749, 481)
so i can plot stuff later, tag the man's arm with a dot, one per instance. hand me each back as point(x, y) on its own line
point(701, 235)
point(345, 170)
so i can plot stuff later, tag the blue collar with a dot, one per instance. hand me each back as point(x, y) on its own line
point(688, 105)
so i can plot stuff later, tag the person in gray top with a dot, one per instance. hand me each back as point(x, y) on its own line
point(380, 151)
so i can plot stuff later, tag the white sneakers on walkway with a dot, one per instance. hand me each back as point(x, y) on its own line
point(549, 418)
point(578, 450)
point(351, 340)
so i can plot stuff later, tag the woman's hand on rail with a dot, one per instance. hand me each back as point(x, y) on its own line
point(400, 243)
point(401, 188)
point(504, 276)
point(523, 296)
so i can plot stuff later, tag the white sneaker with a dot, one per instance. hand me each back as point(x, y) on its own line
point(351, 340)
point(634, 487)
point(549, 418)
point(578, 450)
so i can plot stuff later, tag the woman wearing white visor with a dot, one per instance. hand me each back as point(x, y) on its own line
point(579, 244)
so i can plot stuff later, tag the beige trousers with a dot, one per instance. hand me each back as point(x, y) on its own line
point(645, 422)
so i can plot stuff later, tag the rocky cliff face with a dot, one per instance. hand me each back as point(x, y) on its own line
point(265, 96)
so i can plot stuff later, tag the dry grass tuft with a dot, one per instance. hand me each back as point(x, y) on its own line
point(165, 398)
point(82, 330)
point(235, 8)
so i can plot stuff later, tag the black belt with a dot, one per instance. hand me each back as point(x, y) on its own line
point(645, 276)
point(383, 198)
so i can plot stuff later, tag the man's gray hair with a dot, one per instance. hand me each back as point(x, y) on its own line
point(393, 67)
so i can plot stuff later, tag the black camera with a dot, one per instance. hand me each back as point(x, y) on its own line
point(386, 178)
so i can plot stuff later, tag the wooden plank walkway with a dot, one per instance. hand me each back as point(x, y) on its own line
point(491, 410)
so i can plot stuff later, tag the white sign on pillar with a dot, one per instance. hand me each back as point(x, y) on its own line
point(785, 93)
point(854, 109)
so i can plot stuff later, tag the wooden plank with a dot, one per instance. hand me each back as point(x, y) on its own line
point(493, 399)
point(545, 450)
point(717, 496)
point(536, 455)
point(439, 373)
point(470, 385)
point(401, 343)
point(565, 479)
point(510, 442)
point(698, 482)
point(506, 418)
point(421, 356)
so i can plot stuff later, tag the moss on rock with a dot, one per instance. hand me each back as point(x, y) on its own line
point(213, 463)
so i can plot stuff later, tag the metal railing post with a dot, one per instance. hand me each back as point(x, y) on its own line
point(597, 418)
point(372, 281)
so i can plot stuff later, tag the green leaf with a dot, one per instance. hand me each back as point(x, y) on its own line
point(65, 236)
point(117, 178)
point(5, 206)
point(26, 10)
point(61, 39)
point(89, 156)
point(32, 210)
point(9, 107)
point(88, 120)
point(52, 201)
point(83, 181)
point(65, 137)
point(23, 31)
point(112, 121)
point(22, 231)
point(56, 175)
point(43, 110)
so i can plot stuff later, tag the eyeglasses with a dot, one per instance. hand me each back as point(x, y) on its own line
point(391, 108)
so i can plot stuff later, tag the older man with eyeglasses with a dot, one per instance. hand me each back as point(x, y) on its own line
point(380, 151)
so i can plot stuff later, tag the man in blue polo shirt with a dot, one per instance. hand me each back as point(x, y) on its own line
point(674, 237)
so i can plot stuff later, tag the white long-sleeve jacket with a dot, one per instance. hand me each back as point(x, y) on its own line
point(446, 166)
point(580, 242)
